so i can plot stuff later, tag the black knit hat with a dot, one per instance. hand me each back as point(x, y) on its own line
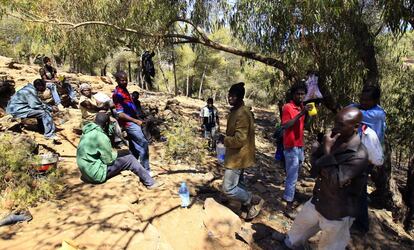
point(237, 90)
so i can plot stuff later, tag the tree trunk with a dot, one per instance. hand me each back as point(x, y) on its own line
point(162, 72)
point(175, 73)
point(139, 77)
point(409, 199)
point(386, 194)
point(187, 85)
point(201, 82)
point(364, 45)
point(129, 71)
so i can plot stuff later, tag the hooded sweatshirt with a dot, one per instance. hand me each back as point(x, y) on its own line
point(94, 154)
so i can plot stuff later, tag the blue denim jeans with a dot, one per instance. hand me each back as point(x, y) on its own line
point(44, 118)
point(293, 162)
point(233, 186)
point(55, 95)
point(138, 144)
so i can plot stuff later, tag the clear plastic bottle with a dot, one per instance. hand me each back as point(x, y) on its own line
point(184, 195)
point(221, 152)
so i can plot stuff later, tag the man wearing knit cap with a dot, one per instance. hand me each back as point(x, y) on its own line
point(240, 152)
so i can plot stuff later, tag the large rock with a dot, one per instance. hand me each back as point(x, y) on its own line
point(220, 221)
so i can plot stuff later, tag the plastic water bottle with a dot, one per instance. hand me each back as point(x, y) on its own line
point(184, 195)
point(221, 152)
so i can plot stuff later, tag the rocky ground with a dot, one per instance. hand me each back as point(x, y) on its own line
point(122, 214)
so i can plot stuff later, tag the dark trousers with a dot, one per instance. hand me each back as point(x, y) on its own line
point(361, 221)
point(129, 162)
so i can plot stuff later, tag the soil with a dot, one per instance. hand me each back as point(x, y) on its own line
point(123, 214)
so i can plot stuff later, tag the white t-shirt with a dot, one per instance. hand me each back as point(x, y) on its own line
point(210, 114)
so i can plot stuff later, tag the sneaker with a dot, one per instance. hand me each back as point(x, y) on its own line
point(156, 185)
point(290, 210)
point(255, 206)
point(152, 174)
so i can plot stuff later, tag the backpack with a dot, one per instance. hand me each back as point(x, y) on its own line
point(374, 148)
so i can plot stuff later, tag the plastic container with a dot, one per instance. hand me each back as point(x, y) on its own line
point(313, 111)
point(184, 195)
point(47, 162)
point(221, 152)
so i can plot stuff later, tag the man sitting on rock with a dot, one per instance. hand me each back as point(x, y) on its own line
point(26, 103)
point(98, 162)
point(240, 152)
point(89, 107)
point(340, 165)
point(150, 128)
point(49, 74)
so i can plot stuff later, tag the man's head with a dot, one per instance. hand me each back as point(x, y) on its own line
point(102, 119)
point(135, 95)
point(347, 122)
point(85, 89)
point(121, 78)
point(298, 92)
point(370, 97)
point(210, 102)
point(236, 94)
point(47, 61)
point(39, 85)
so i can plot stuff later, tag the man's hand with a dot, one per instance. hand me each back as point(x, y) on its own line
point(55, 109)
point(306, 109)
point(328, 142)
point(138, 122)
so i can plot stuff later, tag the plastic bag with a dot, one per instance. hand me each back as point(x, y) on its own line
point(370, 140)
point(313, 88)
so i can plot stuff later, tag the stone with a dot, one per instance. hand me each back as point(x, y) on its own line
point(246, 233)
point(254, 232)
point(220, 221)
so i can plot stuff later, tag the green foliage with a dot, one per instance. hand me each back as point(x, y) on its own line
point(20, 186)
point(184, 143)
point(398, 93)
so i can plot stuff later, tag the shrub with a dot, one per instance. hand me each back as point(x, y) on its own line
point(184, 143)
point(20, 185)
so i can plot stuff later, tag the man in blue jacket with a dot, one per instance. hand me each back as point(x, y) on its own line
point(27, 104)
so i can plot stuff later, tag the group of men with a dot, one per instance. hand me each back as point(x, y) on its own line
point(102, 124)
point(340, 162)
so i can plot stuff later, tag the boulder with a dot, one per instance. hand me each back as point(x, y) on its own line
point(220, 221)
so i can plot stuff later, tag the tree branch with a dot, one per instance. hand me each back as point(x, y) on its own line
point(202, 39)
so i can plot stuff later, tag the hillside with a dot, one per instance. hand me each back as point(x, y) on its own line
point(122, 214)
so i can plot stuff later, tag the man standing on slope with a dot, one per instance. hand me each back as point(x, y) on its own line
point(240, 152)
point(293, 122)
